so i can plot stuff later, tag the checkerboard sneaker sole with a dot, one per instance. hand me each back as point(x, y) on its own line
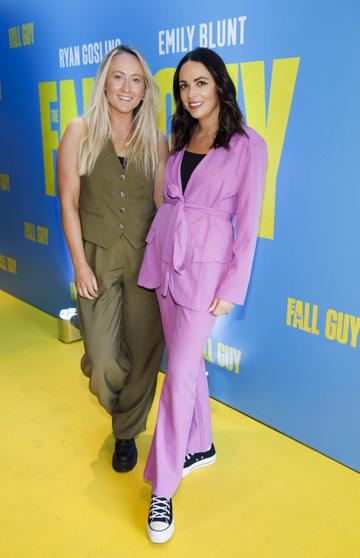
point(160, 525)
point(195, 461)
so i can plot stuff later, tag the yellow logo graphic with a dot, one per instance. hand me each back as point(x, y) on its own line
point(339, 326)
point(42, 235)
point(29, 229)
point(225, 356)
point(73, 293)
point(65, 95)
point(4, 182)
point(21, 37)
point(271, 123)
point(8, 264)
point(36, 233)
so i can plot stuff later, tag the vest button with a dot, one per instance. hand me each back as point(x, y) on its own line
point(122, 209)
point(123, 194)
point(123, 177)
point(121, 225)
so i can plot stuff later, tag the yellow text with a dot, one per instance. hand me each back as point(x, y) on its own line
point(302, 315)
point(223, 355)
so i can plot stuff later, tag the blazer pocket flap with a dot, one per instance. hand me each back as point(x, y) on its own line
point(211, 253)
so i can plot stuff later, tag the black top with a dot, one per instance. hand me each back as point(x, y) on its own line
point(189, 163)
point(122, 161)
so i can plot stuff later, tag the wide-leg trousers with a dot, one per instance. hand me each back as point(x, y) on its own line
point(122, 336)
point(184, 422)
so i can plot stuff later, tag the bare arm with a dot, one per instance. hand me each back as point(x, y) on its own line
point(69, 192)
point(160, 171)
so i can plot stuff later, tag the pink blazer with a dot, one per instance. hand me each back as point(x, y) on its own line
point(191, 246)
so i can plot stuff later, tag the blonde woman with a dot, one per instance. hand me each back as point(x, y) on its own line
point(110, 170)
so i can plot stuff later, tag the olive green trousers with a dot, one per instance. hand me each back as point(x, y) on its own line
point(122, 336)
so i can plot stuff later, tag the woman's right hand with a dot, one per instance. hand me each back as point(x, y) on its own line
point(85, 281)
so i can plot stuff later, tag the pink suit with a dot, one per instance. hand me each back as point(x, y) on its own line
point(192, 256)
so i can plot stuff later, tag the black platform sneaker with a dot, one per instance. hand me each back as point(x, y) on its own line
point(197, 460)
point(160, 525)
point(125, 455)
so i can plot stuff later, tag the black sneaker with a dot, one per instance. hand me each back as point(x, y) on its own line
point(125, 455)
point(197, 460)
point(160, 525)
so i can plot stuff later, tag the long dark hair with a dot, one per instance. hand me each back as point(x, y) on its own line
point(231, 119)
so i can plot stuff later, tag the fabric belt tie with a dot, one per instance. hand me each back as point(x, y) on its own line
point(182, 250)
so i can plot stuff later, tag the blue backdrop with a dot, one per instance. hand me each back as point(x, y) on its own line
point(290, 357)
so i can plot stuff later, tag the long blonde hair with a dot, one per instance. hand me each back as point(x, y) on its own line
point(142, 140)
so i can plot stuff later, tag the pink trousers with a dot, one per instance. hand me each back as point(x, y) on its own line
point(183, 423)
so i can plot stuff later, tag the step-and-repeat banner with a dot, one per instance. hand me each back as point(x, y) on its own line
point(290, 356)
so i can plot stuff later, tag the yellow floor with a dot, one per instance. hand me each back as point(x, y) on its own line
point(266, 497)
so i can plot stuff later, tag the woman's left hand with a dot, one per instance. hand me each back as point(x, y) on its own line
point(220, 307)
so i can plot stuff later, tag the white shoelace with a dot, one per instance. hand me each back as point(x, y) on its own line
point(159, 508)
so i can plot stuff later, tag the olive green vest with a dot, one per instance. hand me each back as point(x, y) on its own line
point(115, 202)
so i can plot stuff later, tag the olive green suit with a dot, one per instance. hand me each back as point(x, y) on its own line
point(121, 328)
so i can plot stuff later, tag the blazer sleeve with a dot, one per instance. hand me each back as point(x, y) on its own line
point(233, 287)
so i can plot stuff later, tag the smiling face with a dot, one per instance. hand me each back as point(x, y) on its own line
point(198, 91)
point(125, 83)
